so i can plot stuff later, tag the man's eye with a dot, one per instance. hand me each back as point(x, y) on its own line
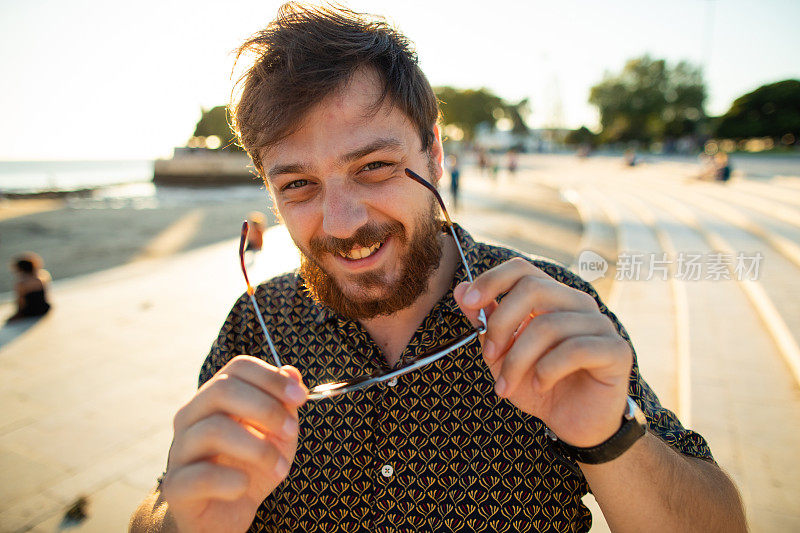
point(375, 165)
point(296, 184)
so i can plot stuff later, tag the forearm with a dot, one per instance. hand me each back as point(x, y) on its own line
point(152, 516)
point(651, 487)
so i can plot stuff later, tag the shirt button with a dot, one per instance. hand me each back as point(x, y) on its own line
point(387, 470)
point(392, 382)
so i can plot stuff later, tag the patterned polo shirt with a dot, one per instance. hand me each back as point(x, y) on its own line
point(437, 450)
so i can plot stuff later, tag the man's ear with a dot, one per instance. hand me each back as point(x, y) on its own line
point(436, 155)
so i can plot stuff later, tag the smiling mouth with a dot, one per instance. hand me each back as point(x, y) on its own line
point(362, 252)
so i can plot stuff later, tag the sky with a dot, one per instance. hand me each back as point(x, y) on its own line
point(103, 79)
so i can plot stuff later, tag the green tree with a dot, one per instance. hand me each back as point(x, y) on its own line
point(216, 121)
point(650, 101)
point(772, 110)
point(469, 108)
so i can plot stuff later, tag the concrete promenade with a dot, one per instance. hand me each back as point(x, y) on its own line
point(90, 391)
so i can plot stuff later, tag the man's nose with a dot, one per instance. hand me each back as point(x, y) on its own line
point(343, 212)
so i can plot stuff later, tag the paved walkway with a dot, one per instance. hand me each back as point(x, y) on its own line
point(721, 352)
point(90, 391)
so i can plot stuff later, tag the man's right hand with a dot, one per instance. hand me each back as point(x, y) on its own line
point(234, 443)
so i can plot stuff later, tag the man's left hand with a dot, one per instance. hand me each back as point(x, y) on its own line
point(551, 351)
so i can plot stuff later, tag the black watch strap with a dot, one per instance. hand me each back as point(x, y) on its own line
point(633, 427)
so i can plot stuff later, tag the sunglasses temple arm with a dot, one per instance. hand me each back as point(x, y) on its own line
point(481, 314)
point(266, 333)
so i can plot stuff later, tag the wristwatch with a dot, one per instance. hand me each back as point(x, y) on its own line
point(634, 426)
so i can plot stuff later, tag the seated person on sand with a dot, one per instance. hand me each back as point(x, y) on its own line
point(31, 286)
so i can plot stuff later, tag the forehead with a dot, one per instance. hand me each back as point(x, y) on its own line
point(350, 118)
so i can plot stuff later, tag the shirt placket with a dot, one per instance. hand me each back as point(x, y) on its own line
point(386, 468)
point(380, 469)
point(394, 479)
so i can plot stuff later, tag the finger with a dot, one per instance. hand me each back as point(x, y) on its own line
point(471, 313)
point(495, 281)
point(204, 480)
point(220, 435)
point(608, 358)
point(539, 336)
point(530, 295)
point(293, 373)
point(282, 383)
point(231, 396)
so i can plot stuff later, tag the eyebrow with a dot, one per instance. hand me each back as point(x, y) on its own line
point(293, 168)
point(349, 157)
point(374, 146)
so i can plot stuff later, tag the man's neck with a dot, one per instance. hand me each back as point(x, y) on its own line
point(392, 333)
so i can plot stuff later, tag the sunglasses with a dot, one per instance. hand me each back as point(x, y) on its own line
point(327, 390)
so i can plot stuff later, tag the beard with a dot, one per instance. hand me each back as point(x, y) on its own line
point(422, 257)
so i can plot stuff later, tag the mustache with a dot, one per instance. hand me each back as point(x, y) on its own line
point(364, 236)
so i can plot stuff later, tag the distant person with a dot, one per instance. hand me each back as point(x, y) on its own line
point(716, 168)
point(494, 167)
point(630, 157)
point(722, 167)
point(483, 161)
point(455, 176)
point(30, 287)
point(513, 162)
point(255, 234)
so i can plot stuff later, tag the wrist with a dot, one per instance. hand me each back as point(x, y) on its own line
point(633, 427)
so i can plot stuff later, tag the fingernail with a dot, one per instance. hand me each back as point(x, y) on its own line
point(488, 351)
point(295, 393)
point(281, 467)
point(500, 386)
point(290, 427)
point(472, 296)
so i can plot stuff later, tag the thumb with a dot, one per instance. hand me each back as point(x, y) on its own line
point(293, 373)
point(472, 314)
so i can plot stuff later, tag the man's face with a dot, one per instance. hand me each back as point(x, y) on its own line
point(368, 234)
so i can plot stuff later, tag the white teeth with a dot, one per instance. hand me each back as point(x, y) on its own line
point(361, 253)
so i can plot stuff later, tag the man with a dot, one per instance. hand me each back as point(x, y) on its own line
point(333, 111)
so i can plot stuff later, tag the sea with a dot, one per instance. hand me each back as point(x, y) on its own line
point(119, 184)
point(30, 177)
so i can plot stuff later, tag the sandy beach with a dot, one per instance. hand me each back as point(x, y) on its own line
point(112, 227)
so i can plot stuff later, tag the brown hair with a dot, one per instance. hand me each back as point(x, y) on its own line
point(27, 262)
point(306, 54)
